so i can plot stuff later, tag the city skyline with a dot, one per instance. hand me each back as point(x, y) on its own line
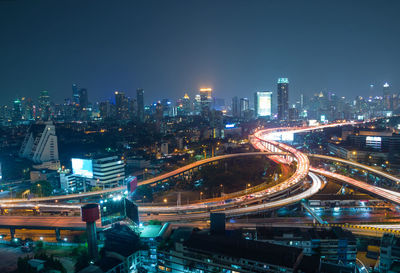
point(146, 45)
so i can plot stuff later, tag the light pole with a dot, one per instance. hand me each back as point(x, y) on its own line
point(247, 186)
point(40, 190)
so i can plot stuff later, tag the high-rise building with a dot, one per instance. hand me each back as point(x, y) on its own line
point(40, 143)
point(244, 106)
point(17, 110)
point(121, 106)
point(44, 105)
point(263, 103)
point(283, 98)
point(140, 104)
point(386, 96)
point(186, 106)
point(83, 98)
point(75, 94)
point(197, 104)
point(28, 109)
point(205, 100)
point(235, 107)
point(106, 109)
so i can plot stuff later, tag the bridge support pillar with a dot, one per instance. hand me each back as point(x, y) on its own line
point(58, 234)
point(12, 233)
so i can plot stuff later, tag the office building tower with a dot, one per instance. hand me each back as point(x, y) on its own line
point(44, 105)
point(197, 104)
point(121, 106)
point(83, 98)
point(140, 104)
point(75, 94)
point(386, 96)
point(17, 111)
point(293, 113)
point(205, 101)
point(28, 109)
point(108, 171)
point(283, 98)
point(263, 103)
point(235, 107)
point(244, 106)
point(40, 143)
point(186, 105)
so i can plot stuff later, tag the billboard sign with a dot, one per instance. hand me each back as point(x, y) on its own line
point(82, 167)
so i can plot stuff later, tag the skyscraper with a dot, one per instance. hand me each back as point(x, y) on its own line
point(386, 96)
point(44, 104)
point(75, 94)
point(83, 98)
point(17, 110)
point(235, 107)
point(205, 100)
point(121, 106)
point(283, 98)
point(244, 106)
point(186, 106)
point(263, 103)
point(140, 104)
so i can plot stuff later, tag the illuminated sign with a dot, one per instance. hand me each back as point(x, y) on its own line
point(82, 167)
point(264, 104)
point(373, 142)
point(374, 138)
point(230, 125)
point(283, 80)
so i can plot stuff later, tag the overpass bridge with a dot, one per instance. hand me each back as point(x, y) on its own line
point(186, 170)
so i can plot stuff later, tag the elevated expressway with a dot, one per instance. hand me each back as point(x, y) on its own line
point(246, 204)
point(158, 179)
point(265, 140)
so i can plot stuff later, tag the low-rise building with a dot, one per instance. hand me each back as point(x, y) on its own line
point(200, 251)
point(333, 245)
point(389, 261)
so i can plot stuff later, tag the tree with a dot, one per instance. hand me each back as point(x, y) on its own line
point(41, 188)
point(82, 261)
point(146, 192)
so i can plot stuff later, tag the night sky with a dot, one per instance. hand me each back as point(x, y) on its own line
point(172, 47)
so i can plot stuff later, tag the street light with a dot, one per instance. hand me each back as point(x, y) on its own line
point(201, 195)
point(247, 186)
point(40, 189)
point(165, 200)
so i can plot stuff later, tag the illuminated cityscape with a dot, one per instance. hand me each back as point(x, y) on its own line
point(208, 136)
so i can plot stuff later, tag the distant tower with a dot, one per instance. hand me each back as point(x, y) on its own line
point(186, 105)
point(83, 98)
point(44, 104)
point(386, 96)
point(121, 105)
point(17, 110)
point(90, 214)
point(283, 98)
point(235, 107)
point(75, 94)
point(244, 106)
point(205, 100)
point(140, 104)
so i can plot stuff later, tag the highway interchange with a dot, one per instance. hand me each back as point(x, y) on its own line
point(305, 182)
